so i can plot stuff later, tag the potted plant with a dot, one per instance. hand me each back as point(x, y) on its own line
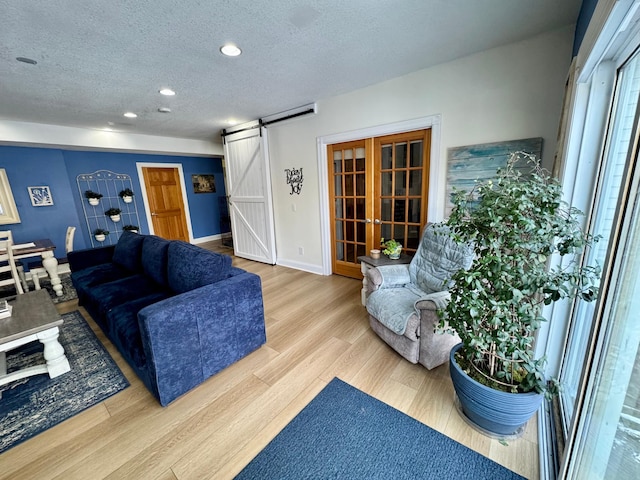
point(93, 197)
point(131, 228)
point(114, 214)
point(100, 234)
point(126, 195)
point(391, 248)
point(515, 224)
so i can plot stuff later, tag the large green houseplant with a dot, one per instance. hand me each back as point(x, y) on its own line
point(515, 223)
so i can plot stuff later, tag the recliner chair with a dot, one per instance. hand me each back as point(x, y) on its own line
point(402, 300)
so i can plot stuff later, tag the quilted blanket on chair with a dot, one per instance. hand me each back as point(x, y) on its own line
point(394, 306)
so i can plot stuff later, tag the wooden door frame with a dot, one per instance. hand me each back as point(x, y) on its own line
point(432, 122)
point(145, 199)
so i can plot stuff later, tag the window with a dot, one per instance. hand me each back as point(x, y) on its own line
point(595, 352)
point(607, 436)
point(603, 216)
point(8, 209)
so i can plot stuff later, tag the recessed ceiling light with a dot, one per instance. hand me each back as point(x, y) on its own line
point(30, 61)
point(130, 115)
point(230, 50)
point(168, 92)
point(232, 122)
point(164, 110)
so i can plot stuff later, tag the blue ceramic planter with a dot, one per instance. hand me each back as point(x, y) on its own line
point(497, 412)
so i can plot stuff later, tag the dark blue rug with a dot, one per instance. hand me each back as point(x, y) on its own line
point(345, 433)
point(32, 405)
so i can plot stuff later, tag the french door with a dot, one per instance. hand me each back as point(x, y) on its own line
point(378, 189)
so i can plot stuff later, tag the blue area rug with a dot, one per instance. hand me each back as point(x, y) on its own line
point(347, 434)
point(32, 405)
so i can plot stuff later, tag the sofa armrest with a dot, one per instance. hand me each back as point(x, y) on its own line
point(434, 345)
point(81, 259)
point(191, 336)
point(387, 276)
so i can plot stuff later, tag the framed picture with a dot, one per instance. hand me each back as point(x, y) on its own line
point(203, 183)
point(40, 196)
point(471, 163)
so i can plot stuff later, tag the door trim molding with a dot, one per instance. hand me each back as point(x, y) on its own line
point(143, 191)
point(432, 122)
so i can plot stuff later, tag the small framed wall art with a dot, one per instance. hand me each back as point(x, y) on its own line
point(203, 183)
point(40, 196)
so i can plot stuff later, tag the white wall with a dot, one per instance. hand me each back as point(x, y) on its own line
point(38, 134)
point(506, 93)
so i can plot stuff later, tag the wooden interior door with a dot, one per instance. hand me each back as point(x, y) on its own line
point(164, 194)
point(378, 188)
point(401, 187)
point(350, 189)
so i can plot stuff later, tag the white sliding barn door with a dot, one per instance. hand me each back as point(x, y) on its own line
point(249, 191)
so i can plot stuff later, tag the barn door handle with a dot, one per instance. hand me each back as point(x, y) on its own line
point(154, 214)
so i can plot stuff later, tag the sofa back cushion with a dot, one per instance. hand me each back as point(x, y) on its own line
point(437, 259)
point(128, 250)
point(191, 267)
point(154, 258)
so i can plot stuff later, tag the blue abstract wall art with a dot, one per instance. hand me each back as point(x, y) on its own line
point(471, 163)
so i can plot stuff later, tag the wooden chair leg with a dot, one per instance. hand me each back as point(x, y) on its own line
point(23, 278)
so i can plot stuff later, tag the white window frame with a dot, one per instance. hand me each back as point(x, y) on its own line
point(612, 36)
point(8, 210)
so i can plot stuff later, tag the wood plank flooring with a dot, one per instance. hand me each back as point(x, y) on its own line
point(316, 330)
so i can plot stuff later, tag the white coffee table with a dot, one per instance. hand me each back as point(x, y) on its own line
point(34, 318)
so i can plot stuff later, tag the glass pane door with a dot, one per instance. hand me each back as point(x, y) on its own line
point(603, 214)
point(348, 192)
point(378, 189)
point(401, 192)
point(608, 433)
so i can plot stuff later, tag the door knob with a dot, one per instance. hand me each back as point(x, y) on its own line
point(153, 214)
point(377, 221)
point(366, 220)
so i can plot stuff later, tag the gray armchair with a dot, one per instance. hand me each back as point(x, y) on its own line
point(402, 300)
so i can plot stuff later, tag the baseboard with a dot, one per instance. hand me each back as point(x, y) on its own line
point(210, 238)
point(306, 267)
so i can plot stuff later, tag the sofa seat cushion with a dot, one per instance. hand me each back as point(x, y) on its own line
point(112, 294)
point(84, 280)
point(191, 267)
point(154, 258)
point(127, 251)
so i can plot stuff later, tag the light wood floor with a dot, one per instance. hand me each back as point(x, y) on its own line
point(316, 330)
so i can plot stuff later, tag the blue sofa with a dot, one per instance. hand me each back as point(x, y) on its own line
point(177, 313)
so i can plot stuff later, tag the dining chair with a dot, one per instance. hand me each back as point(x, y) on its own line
point(36, 269)
point(7, 263)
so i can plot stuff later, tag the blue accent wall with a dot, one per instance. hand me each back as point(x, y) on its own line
point(58, 169)
point(584, 17)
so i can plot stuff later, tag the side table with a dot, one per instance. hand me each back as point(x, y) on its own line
point(366, 263)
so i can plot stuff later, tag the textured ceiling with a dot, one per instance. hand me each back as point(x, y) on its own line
point(98, 59)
